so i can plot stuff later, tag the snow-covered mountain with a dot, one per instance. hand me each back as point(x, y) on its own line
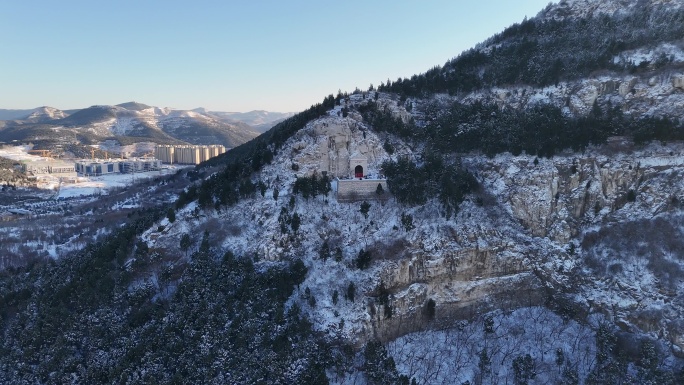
point(574, 54)
point(589, 236)
point(131, 120)
point(260, 120)
point(532, 231)
point(555, 239)
point(45, 113)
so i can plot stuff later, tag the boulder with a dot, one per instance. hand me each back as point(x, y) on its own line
point(678, 81)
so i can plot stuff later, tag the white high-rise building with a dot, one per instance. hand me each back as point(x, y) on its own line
point(187, 154)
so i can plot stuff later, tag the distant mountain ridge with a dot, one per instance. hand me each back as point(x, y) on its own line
point(46, 113)
point(259, 119)
point(6, 114)
point(134, 122)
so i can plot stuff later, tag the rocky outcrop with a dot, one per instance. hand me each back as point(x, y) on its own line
point(470, 300)
point(557, 200)
point(521, 248)
point(336, 141)
point(552, 197)
point(627, 86)
point(678, 81)
point(655, 93)
point(464, 284)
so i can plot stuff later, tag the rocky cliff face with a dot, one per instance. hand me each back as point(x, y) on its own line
point(541, 232)
point(560, 204)
point(654, 93)
point(573, 191)
point(337, 140)
point(620, 190)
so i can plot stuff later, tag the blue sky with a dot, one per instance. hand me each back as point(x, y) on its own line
point(230, 55)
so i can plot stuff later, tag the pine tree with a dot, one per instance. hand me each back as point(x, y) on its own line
point(523, 369)
point(365, 207)
point(351, 292)
point(363, 259)
point(185, 243)
point(324, 251)
point(560, 358)
point(379, 366)
point(484, 364)
point(295, 222)
point(407, 222)
point(430, 308)
point(171, 215)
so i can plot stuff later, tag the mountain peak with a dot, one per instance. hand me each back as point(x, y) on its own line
point(45, 113)
point(134, 106)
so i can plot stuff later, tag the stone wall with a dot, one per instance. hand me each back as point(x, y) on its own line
point(353, 189)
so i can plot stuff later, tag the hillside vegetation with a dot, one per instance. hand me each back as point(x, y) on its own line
point(544, 51)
